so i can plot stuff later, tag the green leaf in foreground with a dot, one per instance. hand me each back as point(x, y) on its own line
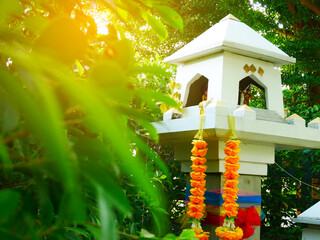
point(156, 25)
point(79, 231)
point(188, 234)
point(108, 225)
point(9, 200)
point(170, 16)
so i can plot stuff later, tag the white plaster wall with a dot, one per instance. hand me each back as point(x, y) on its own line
point(256, 153)
point(217, 166)
point(210, 67)
point(283, 135)
point(310, 234)
point(254, 158)
point(233, 72)
point(224, 72)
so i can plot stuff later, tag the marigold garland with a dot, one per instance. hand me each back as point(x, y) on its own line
point(200, 234)
point(196, 204)
point(225, 234)
point(230, 208)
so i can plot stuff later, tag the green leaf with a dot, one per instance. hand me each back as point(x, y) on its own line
point(7, 235)
point(123, 14)
point(143, 119)
point(145, 233)
point(79, 67)
point(112, 192)
point(160, 218)
point(95, 230)
point(108, 123)
point(4, 156)
point(9, 7)
point(156, 25)
point(150, 129)
point(188, 234)
point(149, 95)
point(36, 23)
point(9, 116)
point(107, 218)
point(144, 147)
point(79, 231)
point(170, 16)
point(163, 177)
point(72, 208)
point(92, 149)
point(154, 70)
point(109, 78)
point(169, 236)
point(134, 113)
point(9, 200)
point(131, 7)
point(111, 4)
point(39, 112)
point(122, 53)
point(46, 208)
point(63, 40)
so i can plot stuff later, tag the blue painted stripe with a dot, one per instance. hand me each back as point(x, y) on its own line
point(216, 199)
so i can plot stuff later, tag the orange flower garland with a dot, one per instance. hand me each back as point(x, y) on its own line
point(230, 208)
point(226, 234)
point(196, 204)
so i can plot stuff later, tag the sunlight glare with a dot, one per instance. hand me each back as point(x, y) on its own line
point(101, 18)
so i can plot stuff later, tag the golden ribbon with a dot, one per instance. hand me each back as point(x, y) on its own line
point(202, 118)
point(199, 134)
point(232, 126)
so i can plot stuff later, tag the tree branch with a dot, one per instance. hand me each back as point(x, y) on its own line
point(17, 136)
point(311, 6)
point(291, 7)
point(128, 235)
point(284, 33)
point(21, 165)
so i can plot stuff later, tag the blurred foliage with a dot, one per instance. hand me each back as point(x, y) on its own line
point(77, 149)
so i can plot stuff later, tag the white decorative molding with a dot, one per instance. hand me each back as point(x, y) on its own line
point(172, 114)
point(315, 123)
point(296, 120)
point(245, 112)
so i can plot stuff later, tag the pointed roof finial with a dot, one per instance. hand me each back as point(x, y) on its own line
point(229, 16)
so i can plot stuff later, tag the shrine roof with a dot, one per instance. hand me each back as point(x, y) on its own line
point(310, 216)
point(232, 35)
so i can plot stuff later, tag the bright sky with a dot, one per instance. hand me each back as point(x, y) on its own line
point(101, 18)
